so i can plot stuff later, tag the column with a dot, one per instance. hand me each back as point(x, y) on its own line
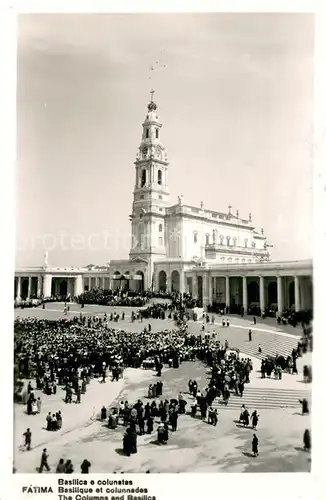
point(182, 281)
point(168, 282)
point(297, 294)
point(78, 285)
point(47, 285)
point(280, 305)
point(261, 294)
point(19, 285)
point(89, 283)
point(244, 294)
point(39, 287)
point(227, 291)
point(205, 290)
point(195, 287)
point(210, 289)
point(29, 287)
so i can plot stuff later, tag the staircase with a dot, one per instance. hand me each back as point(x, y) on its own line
point(264, 399)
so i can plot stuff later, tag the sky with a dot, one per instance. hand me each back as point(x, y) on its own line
point(235, 96)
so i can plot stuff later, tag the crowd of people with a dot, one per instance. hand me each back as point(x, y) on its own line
point(70, 352)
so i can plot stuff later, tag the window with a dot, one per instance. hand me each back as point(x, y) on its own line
point(195, 237)
point(160, 228)
point(234, 242)
point(221, 240)
point(230, 259)
point(222, 259)
point(214, 235)
point(147, 133)
point(156, 133)
point(141, 197)
point(207, 239)
point(160, 241)
point(246, 242)
point(253, 244)
point(143, 178)
point(160, 197)
point(228, 241)
point(159, 177)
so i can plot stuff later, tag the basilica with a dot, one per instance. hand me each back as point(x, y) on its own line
point(216, 256)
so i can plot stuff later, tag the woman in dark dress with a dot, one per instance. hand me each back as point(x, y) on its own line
point(254, 419)
point(254, 445)
point(307, 440)
point(150, 425)
point(85, 465)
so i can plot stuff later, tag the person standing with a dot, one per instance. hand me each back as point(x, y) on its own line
point(60, 467)
point(44, 461)
point(28, 438)
point(306, 440)
point(254, 419)
point(254, 446)
point(250, 336)
point(39, 405)
point(305, 406)
point(84, 467)
point(69, 468)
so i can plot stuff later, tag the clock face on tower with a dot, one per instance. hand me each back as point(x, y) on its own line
point(144, 152)
point(158, 152)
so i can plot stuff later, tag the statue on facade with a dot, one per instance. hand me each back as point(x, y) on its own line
point(180, 200)
point(46, 259)
point(202, 205)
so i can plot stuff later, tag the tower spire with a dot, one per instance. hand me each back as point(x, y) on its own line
point(152, 92)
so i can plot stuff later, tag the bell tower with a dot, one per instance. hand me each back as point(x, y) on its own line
point(151, 194)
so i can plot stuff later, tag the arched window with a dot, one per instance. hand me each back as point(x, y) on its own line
point(253, 244)
point(228, 241)
point(222, 259)
point(207, 239)
point(147, 133)
point(214, 235)
point(159, 177)
point(221, 240)
point(234, 242)
point(195, 237)
point(230, 259)
point(143, 178)
point(156, 133)
point(160, 228)
point(246, 242)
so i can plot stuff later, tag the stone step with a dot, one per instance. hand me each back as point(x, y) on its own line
point(255, 398)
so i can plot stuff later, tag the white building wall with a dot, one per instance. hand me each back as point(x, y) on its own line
point(189, 247)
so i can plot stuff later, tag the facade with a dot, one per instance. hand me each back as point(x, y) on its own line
point(218, 257)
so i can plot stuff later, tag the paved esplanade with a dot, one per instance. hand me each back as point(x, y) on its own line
point(196, 446)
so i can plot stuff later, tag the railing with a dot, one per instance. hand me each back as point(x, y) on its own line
point(231, 249)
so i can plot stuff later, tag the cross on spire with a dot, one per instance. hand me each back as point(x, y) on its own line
point(152, 92)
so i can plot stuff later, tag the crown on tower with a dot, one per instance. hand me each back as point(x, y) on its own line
point(152, 106)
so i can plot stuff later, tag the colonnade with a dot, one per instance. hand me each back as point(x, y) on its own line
point(233, 290)
point(46, 285)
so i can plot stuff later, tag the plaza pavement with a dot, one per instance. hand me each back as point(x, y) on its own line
point(196, 446)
